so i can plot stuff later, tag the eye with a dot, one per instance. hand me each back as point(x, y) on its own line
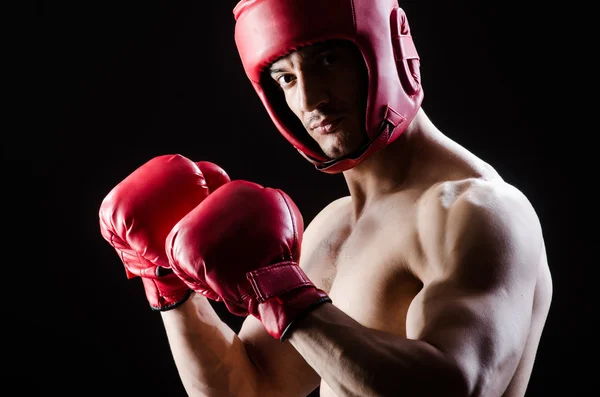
point(329, 58)
point(284, 79)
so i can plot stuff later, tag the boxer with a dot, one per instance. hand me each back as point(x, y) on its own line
point(429, 278)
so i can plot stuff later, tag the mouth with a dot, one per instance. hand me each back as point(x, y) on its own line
point(327, 126)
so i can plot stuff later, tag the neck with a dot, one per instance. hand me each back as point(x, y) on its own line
point(390, 169)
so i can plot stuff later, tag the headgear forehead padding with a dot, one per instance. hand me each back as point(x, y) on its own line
point(266, 30)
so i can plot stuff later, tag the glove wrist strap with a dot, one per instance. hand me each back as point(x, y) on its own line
point(284, 294)
point(166, 292)
point(276, 280)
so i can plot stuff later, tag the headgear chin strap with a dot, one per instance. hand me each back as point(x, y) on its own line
point(266, 30)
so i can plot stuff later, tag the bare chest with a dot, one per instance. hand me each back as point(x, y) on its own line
point(366, 271)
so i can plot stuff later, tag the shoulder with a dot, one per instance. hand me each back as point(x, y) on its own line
point(475, 220)
point(331, 221)
point(476, 197)
point(330, 213)
point(494, 205)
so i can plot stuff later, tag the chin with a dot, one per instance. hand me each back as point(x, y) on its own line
point(341, 143)
point(337, 152)
point(334, 155)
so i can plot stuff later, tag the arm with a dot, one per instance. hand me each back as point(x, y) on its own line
point(213, 361)
point(466, 328)
point(215, 247)
point(135, 218)
point(209, 357)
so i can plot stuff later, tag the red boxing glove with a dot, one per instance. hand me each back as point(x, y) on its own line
point(138, 214)
point(243, 242)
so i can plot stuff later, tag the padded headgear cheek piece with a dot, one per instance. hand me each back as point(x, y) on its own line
point(266, 30)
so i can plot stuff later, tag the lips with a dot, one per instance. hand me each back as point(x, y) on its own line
point(326, 126)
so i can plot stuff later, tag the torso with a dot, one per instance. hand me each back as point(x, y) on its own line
point(359, 267)
point(374, 268)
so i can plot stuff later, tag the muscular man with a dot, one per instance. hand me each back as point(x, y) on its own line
point(429, 279)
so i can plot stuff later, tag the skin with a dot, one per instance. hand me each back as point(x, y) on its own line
point(314, 82)
point(435, 265)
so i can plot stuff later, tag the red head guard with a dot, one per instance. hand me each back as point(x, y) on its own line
point(266, 30)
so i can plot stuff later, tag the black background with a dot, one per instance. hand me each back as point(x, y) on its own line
point(117, 83)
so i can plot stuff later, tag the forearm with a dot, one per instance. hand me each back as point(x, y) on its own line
point(356, 361)
point(210, 358)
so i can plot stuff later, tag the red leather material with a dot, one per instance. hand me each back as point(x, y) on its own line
point(268, 29)
point(272, 281)
point(137, 215)
point(243, 242)
point(284, 293)
point(215, 176)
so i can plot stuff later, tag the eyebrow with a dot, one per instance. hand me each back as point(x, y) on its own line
point(273, 71)
point(305, 53)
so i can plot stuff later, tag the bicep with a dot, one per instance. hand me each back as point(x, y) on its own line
point(283, 371)
point(476, 307)
point(484, 334)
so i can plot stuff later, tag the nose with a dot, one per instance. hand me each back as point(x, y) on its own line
point(312, 92)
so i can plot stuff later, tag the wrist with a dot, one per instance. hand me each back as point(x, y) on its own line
point(296, 311)
point(284, 295)
point(165, 292)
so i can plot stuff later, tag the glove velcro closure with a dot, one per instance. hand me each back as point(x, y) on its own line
point(275, 280)
point(284, 294)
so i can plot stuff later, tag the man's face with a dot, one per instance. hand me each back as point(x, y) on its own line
point(325, 85)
